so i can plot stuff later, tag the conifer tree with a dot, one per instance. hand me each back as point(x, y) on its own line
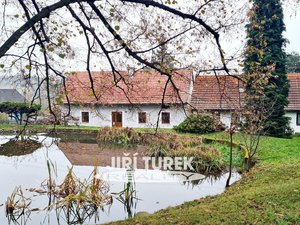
point(265, 64)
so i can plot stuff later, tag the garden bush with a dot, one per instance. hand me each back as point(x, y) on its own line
point(3, 118)
point(200, 123)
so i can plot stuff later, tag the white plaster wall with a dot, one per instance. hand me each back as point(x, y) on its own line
point(225, 117)
point(101, 115)
point(293, 121)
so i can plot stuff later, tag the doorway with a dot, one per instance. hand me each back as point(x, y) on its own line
point(117, 119)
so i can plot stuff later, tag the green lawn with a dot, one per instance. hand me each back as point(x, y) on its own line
point(268, 194)
point(41, 128)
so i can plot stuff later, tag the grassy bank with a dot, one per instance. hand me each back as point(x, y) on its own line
point(268, 194)
point(48, 129)
point(45, 128)
point(41, 128)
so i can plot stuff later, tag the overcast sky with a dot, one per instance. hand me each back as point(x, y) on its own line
point(292, 22)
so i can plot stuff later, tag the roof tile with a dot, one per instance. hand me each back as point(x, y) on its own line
point(294, 94)
point(225, 93)
point(144, 87)
point(217, 92)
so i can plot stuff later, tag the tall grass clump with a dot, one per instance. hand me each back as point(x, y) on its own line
point(127, 136)
point(17, 207)
point(75, 199)
point(78, 199)
point(128, 195)
point(207, 159)
point(123, 136)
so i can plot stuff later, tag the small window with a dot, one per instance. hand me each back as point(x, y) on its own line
point(142, 117)
point(298, 119)
point(235, 118)
point(216, 113)
point(165, 117)
point(194, 111)
point(85, 117)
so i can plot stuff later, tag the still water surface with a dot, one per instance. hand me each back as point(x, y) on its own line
point(155, 189)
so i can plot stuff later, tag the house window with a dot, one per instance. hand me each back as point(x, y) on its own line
point(235, 118)
point(85, 117)
point(194, 111)
point(142, 117)
point(165, 117)
point(298, 119)
point(217, 113)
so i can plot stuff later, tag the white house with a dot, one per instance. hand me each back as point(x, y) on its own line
point(293, 109)
point(10, 95)
point(223, 95)
point(148, 99)
point(142, 100)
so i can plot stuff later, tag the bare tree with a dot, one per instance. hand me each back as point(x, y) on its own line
point(254, 116)
point(118, 34)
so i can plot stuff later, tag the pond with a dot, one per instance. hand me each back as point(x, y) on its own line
point(153, 189)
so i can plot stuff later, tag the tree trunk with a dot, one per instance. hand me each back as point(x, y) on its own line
point(21, 118)
point(230, 161)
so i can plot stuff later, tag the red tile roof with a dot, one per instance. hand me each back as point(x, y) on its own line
point(144, 87)
point(225, 93)
point(294, 94)
point(217, 93)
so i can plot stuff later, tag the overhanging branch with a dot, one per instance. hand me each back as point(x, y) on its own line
point(44, 13)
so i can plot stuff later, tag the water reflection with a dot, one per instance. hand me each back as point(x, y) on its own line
point(134, 191)
point(84, 154)
point(71, 137)
point(23, 145)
